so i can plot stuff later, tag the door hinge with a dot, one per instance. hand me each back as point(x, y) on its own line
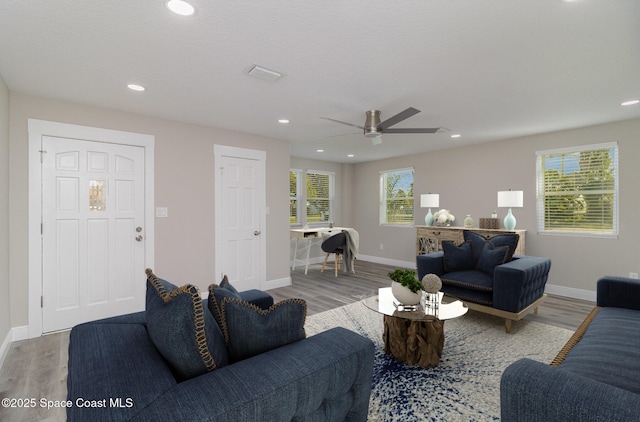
point(41, 151)
point(41, 228)
point(41, 301)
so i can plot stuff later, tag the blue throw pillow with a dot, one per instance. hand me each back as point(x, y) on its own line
point(183, 332)
point(218, 292)
point(508, 239)
point(457, 258)
point(491, 257)
point(478, 242)
point(249, 330)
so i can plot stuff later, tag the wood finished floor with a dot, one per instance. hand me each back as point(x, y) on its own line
point(38, 367)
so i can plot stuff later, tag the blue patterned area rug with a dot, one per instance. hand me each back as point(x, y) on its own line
point(466, 384)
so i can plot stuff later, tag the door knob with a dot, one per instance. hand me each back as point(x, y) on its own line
point(256, 233)
point(139, 238)
point(138, 229)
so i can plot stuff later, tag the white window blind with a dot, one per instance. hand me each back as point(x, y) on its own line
point(294, 196)
point(319, 196)
point(310, 196)
point(577, 190)
point(396, 197)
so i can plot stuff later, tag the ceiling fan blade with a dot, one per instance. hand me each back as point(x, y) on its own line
point(397, 118)
point(339, 135)
point(414, 130)
point(344, 123)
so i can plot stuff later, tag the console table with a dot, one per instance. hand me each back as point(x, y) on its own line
point(429, 238)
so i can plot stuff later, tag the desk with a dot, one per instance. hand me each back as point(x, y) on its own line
point(305, 239)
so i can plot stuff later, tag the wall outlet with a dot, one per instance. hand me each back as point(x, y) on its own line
point(381, 246)
point(633, 275)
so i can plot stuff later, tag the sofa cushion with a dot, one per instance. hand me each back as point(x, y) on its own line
point(217, 293)
point(457, 258)
point(183, 332)
point(249, 330)
point(472, 280)
point(114, 358)
point(608, 351)
point(491, 257)
point(508, 239)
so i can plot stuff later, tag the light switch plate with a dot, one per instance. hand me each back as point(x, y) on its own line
point(162, 212)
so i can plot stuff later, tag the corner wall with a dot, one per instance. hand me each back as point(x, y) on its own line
point(5, 316)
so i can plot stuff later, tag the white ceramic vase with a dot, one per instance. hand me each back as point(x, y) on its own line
point(404, 295)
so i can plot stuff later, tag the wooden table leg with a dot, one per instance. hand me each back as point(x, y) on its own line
point(414, 342)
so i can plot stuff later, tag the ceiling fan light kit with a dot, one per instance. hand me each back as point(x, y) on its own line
point(371, 124)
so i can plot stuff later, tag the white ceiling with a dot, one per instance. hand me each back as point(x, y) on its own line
point(489, 70)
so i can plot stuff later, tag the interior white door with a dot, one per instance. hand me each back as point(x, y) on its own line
point(92, 231)
point(240, 248)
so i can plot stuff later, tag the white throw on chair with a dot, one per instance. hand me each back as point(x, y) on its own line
point(343, 243)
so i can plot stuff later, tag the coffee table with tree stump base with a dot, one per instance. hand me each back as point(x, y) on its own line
point(415, 334)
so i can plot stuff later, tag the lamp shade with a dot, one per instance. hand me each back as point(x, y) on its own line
point(510, 199)
point(429, 200)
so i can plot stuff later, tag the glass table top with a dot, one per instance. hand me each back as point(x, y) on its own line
point(431, 308)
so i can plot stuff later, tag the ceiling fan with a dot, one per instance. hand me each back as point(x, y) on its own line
point(373, 128)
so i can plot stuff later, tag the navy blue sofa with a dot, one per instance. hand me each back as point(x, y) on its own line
point(511, 289)
point(115, 373)
point(595, 377)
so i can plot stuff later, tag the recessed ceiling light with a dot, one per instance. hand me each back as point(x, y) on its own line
point(457, 135)
point(319, 150)
point(283, 121)
point(630, 102)
point(136, 87)
point(350, 155)
point(181, 7)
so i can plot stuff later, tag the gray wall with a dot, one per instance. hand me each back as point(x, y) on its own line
point(468, 179)
point(5, 318)
point(184, 183)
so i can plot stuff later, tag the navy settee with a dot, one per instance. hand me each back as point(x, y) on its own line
point(510, 286)
point(115, 373)
point(594, 377)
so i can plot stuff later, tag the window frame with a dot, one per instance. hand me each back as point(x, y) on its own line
point(541, 215)
point(302, 197)
point(384, 220)
point(298, 197)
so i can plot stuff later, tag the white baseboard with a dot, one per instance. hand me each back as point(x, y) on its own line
point(570, 292)
point(274, 284)
point(14, 334)
point(4, 348)
point(20, 333)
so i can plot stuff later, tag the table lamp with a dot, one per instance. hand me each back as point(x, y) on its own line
point(429, 200)
point(510, 199)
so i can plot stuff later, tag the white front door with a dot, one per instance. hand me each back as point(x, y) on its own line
point(240, 211)
point(92, 231)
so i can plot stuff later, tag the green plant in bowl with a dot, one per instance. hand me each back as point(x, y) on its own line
point(407, 278)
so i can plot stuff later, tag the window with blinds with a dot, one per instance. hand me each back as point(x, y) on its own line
point(310, 197)
point(396, 197)
point(577, 190)
point(294, 200)
point(319, 194)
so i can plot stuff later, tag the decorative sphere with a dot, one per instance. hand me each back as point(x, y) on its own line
point(431, 283)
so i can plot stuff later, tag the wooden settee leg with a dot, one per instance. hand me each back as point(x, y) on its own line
point(507, 325)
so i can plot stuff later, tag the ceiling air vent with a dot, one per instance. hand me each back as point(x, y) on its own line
point(264, 73)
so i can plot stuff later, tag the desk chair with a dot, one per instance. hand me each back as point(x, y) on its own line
point(334, 245)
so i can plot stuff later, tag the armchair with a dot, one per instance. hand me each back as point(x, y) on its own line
point(474, 272)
